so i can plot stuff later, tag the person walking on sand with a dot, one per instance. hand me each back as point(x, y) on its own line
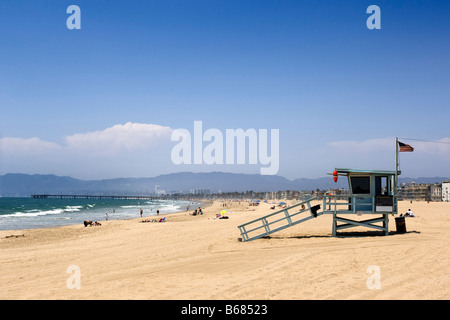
point(157, 212)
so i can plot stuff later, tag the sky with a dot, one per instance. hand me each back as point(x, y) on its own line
point(103, 101)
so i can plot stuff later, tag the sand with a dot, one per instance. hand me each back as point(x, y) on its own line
point(200, 258)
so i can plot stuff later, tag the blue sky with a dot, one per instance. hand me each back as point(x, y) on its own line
point(338, 92)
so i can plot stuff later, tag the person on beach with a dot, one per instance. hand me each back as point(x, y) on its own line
point(157, 212)
point(409, 213)
point(106, 216)
point(141, 213)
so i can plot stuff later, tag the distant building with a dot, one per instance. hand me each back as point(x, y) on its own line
point(436, 192)
point(414, 191)
point(200, 191)
point(446, 190)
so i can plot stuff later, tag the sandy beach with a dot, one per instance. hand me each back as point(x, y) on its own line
point(201, 258)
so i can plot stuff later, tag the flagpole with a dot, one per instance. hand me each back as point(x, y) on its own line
point(396, 157)
point(396, 172)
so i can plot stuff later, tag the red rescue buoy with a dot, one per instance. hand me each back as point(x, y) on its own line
point(335, 176)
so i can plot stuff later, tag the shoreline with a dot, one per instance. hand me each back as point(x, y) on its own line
point(201, 258)
point(70, 221)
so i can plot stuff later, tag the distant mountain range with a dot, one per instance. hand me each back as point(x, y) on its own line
point(17, 184)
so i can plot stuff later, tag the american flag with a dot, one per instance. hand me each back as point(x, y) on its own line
point(405, 147)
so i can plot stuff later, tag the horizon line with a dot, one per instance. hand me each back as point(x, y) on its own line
point(190, 172)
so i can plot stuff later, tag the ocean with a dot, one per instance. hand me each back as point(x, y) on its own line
point(28, 213)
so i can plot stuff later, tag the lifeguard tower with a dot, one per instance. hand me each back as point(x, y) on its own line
point(371, 192)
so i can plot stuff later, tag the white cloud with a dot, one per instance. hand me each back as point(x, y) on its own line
point(138, 149)
point(371, 145)
point(438, 147)
point(121, 137)
point(31, 146)
point(118, 138)
point(130, 149)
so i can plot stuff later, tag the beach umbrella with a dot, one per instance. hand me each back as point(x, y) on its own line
point(223, 212)
point(282, 203)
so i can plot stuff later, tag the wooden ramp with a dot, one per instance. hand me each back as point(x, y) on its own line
point(279, 220)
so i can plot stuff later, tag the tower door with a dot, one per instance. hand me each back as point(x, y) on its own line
point(361, 190)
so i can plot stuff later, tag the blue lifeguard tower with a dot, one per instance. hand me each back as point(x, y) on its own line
point(371, 193)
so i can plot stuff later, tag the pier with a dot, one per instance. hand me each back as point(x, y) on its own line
point(75, 196)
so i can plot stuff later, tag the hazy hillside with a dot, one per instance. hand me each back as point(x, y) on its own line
point(16, 184)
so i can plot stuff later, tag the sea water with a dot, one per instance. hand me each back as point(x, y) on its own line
point(29, 213)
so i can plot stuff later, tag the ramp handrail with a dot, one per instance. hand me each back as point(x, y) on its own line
point(286, 220)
